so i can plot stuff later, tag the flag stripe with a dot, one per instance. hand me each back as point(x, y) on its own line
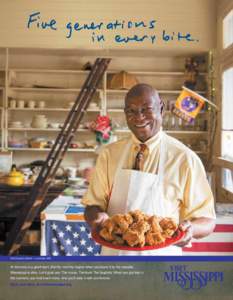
point(223, 228)
point(75, 217)
point(208, 253)
point(216, 247)
point(218, 237)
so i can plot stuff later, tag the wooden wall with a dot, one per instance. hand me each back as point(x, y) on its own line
point(197, 17)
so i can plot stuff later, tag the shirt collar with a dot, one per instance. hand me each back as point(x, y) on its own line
point(151, 143)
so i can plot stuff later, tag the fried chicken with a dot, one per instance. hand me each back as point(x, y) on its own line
point(154, 238)
point(134, 238)
point(104, 233)
point(168, 226)
point(121, 223)
point(137, 229)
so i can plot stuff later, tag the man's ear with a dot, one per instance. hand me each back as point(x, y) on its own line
point(162, 107)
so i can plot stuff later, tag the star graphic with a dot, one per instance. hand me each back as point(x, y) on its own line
point(68, 254)
point(61, 234)
point(54, 226)
point(55, 253)
point(89, 235)
point(75, 235)
point(90, 249)
point(83, 242)
point(68, 228)
point(68, 242)
point(82, 228)
point(75, 248)
point(82, 254)
point(54, 240)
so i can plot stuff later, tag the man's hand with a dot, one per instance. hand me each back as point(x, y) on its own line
point(188, 228)
point(196, 228)
point(101, 217)
point(95, 216)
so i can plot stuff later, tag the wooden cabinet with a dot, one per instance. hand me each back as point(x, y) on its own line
point(12, 200)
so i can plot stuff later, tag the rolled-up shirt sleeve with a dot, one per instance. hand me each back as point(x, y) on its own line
point(198, 200)
point(98, 190)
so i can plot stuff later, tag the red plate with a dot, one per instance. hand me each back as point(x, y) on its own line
point(178, 235)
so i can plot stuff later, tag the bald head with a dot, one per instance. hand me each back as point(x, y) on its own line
point(143, 89)
point(143, 110)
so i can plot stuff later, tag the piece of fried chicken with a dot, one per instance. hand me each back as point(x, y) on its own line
point(168, 226)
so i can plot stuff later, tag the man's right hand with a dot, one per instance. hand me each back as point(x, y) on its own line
point(95, 216)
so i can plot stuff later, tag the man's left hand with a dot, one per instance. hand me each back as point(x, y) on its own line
point(188, 228)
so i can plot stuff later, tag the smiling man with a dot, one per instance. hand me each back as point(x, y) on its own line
point(152, 172)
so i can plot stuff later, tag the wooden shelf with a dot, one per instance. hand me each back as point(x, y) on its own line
point(121, 110)
point(51, 109)
point(115, 110)
point(153, 73)
point(186, 132)
point(48, 149)
point(58, 71)
point(44, 129)
point(37, 89)
point(159, 91)
point(168, 131)
point(122, 131)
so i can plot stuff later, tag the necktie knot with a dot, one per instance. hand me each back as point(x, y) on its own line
point(139, 160)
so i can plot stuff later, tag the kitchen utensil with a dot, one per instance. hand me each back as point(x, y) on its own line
point(12, 103)
point(41, 104)
point(20, 103)
point(39, 121)
point(15, 124)
point(37, 143)
point(27, 172)
point(15, 178)
point(71, 172)
point(31, 104)
point(73, 145)
point(54, 125)
point(76, 181)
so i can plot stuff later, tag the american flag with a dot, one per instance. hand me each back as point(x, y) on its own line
point(69, 239)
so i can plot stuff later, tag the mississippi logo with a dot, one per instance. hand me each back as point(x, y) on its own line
point(191, 280)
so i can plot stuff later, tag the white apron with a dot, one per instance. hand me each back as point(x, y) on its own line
point(139, 190)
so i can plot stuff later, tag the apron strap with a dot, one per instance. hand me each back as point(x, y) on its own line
point(123, 158)
point(163, 151)
point(158, 198)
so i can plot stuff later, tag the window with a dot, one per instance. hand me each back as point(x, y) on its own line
point(227, 179)
point(228, 30)
point(227, 114)
point(224, 161)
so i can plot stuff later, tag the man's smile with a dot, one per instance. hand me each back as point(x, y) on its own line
point(142, 125)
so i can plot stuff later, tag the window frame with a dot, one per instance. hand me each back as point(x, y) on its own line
point(224, 62)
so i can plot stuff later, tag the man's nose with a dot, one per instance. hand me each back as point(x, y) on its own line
point(139, 114)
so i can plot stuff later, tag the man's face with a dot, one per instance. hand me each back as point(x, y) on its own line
point(143, 115)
